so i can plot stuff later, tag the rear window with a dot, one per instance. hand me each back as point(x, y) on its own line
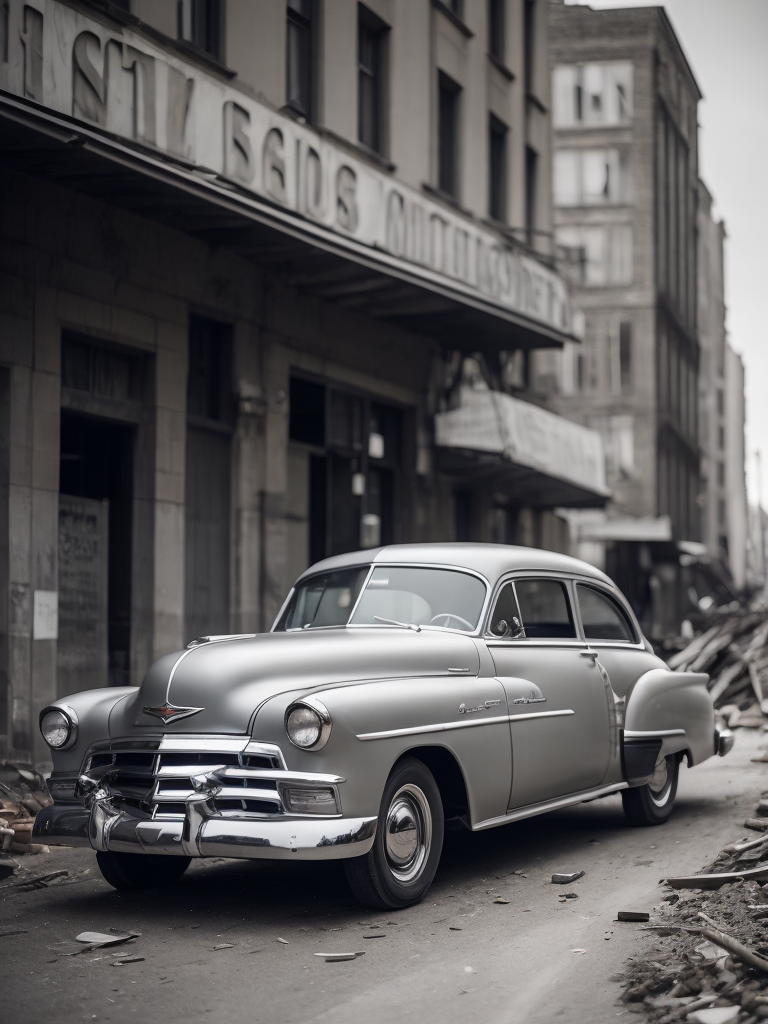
point(601, 616)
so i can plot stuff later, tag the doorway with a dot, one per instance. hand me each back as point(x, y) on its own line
point(95, 552)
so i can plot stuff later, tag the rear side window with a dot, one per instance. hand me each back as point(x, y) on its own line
point(545, 609)
point(602, 617)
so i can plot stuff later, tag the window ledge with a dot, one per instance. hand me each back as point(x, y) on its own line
point(534, 100)
point(453, 18)
point(501, 67)
point(358, 149)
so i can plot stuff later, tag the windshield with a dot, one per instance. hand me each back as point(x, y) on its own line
point(393, 595)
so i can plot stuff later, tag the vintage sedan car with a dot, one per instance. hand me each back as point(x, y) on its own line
point(399, 689)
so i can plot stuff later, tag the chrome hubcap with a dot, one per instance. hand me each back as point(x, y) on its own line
point(408, 833)
point(659, 782)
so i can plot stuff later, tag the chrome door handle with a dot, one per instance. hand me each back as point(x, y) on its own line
point(588, 654)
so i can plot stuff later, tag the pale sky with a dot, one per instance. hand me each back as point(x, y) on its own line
point(726, 43)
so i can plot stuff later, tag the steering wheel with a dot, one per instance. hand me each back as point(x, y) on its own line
point(448, 616)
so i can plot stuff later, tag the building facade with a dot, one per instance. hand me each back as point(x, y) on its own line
point(626, 185)
point(721, 407)
point(271, 278)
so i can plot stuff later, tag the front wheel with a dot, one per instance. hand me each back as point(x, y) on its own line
point(400, 867)
point(127, 871)
point(652, 803)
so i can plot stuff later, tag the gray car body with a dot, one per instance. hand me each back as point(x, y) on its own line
point(519, 726)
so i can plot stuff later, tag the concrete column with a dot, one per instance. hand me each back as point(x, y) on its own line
point(274, 533)
point(170, 454)
point(247, 482)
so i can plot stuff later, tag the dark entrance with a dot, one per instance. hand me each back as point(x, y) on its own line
point(96, 465)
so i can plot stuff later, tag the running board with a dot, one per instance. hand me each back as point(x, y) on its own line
point(550, 805)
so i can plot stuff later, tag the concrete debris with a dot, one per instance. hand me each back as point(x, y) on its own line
point(734, 651)
point(40, 881)
point(127, 960)
point(563, 879)
point(715, 1015)
point(286, 943)
point(376, 935)
point(500, 899)
point(633, 915)
point(331, 958)
point(224, 945)
point(709, 964)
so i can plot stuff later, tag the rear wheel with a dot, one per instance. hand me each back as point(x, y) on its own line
point(140, 871)
point(652, 803)
point(400, 867)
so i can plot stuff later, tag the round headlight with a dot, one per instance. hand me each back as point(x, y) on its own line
point(303, 726)
point(56, 728)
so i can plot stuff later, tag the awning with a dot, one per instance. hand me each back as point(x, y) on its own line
point(111, 112)
point(492, 440)
point(643, 529)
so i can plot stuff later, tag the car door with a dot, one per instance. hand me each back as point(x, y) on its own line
point(556, 694)
point(608, 628)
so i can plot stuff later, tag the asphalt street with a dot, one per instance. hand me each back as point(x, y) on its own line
point(457, 956)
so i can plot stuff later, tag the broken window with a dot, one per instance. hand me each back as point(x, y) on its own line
point(592, 94)
point(596, 256)
point(591, 177)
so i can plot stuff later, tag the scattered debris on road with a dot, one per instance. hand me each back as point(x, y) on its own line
point(23, 792)
point(336, 957)
point(127, 960)
point(710, 961)
point(500, 899)
point(563, 879)
point(223, 945)
point(633, 915)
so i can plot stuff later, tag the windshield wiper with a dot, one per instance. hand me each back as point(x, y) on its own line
point(394, 622)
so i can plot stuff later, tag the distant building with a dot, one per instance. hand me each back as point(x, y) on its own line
point(272, 275)
point(721, 408)
point(625, 186)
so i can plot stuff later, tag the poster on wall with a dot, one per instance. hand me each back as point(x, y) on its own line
point(82, 657)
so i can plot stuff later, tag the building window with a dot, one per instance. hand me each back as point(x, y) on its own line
point(591, 177)
point(721, 474)
point(496, 28)
point(596, 256)
point(531, 193)
point(497, 169)
point(449, 101)
point(371, 84)
point(300, 57)
point(200, 23)
point(625, 355)
point(592, 94)
point(529, 44)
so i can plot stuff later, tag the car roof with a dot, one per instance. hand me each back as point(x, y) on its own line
point(490, 560)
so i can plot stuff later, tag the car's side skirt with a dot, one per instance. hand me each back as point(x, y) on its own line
point(549, 805)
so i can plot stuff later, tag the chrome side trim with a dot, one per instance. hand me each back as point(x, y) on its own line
point(273, 775)
point(629, 734)
point(466, 724)
point(541, 714)
point(550, 805)
point(440, 727)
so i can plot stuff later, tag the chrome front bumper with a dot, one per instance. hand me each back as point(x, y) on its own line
point(199, 835)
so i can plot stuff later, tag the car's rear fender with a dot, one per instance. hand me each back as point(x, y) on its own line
point(675, 708)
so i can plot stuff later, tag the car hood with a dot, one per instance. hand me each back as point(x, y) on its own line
point(224, 682)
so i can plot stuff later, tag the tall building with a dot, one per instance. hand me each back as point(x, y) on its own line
point(625, 194)
point(721, 408)
point(272, 275)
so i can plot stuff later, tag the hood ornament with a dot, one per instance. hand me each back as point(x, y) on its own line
point(170, 713)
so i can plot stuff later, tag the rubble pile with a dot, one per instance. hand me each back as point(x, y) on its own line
point(23, 793)
point(710, 961)
point(734, 651)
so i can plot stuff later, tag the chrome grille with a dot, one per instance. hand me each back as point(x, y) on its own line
point(152, 783)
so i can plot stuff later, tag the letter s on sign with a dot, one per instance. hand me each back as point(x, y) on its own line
point(346, 199)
